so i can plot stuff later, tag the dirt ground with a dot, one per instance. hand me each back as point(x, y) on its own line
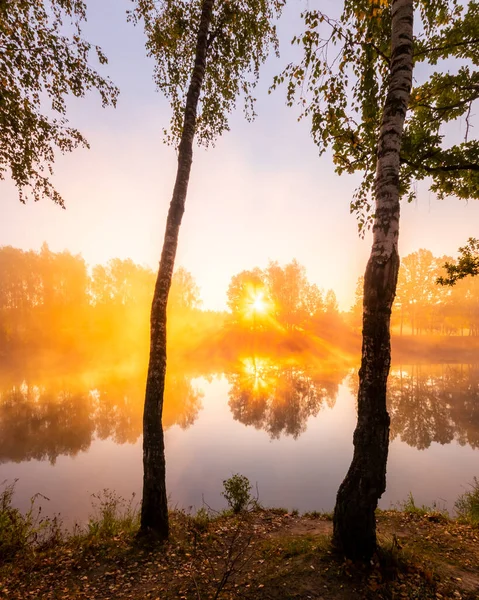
point(264, 555)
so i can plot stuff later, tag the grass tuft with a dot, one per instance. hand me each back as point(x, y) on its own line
point(314, 514)
point(23, 534)
point(410, 507)
point(467, 505)
point(278, 511)
point(112, 516)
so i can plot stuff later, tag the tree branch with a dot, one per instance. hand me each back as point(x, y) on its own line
point(442, 168)
point(379, 52)
point(468, 123)
point(457, 104)
point(446, 47)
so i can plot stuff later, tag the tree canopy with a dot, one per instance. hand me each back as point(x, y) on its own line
point(467, 264)
point(278, 294)
point(239, 41)
point(43, 58)
point(341, 83)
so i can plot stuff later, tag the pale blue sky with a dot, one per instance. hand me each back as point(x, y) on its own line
point(262, 193)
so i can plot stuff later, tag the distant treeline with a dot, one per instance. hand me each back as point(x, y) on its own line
point(54, 307)
point(422, 307)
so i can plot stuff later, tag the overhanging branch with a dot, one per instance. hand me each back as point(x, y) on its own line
point(441, 168)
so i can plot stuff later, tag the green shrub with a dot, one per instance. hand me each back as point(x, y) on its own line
point(467, 505)
point(237, 491)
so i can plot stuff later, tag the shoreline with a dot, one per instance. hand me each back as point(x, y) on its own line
point(269, 554)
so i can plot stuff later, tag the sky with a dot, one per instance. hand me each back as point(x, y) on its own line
point(262, 193)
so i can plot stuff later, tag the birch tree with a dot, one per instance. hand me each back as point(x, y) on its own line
point(207, 53)
point(365, 482)
point(354, 83)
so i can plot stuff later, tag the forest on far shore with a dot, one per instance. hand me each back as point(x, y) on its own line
point(54, 308)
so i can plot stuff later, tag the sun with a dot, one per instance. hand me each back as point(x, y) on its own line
point(258, 304)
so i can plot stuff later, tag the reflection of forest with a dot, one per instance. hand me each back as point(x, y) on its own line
point(280, 398)
point(434, 403)
point(46, 421)
point(427, 403)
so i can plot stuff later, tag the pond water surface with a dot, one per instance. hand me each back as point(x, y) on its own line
point(288, 427)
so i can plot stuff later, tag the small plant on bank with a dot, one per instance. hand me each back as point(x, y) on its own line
point(467, 505)
point(410, 507)
point(20, 533)
point(112, 515)
point(202, 519)
point(237, 492)
point(315, 514)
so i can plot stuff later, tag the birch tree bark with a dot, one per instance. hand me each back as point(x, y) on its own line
point(353, 81)
point(154, 507)
point(354, 515)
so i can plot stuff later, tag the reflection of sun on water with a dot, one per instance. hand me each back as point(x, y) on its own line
point(257, 369)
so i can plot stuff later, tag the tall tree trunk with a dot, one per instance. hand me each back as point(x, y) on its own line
point(354, 515)
point(154, 507)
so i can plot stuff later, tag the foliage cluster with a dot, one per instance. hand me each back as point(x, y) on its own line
point(467, 265)
point(47, 299)
point(112, 516)
point(410, 507)
point(43, 58)
point(55, 302)
point(281, 295)
point(341, 84)
point(237, 493)
point(241, 36)
point(24, 534)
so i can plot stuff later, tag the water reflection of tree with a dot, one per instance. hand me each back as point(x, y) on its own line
point(279, 398)
point(46, 421)
point(39, 424)
point(435, 403)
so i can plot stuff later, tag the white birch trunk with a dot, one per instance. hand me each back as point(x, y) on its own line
point(354, 514)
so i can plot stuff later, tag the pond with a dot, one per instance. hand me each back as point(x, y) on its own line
point(286, 425)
